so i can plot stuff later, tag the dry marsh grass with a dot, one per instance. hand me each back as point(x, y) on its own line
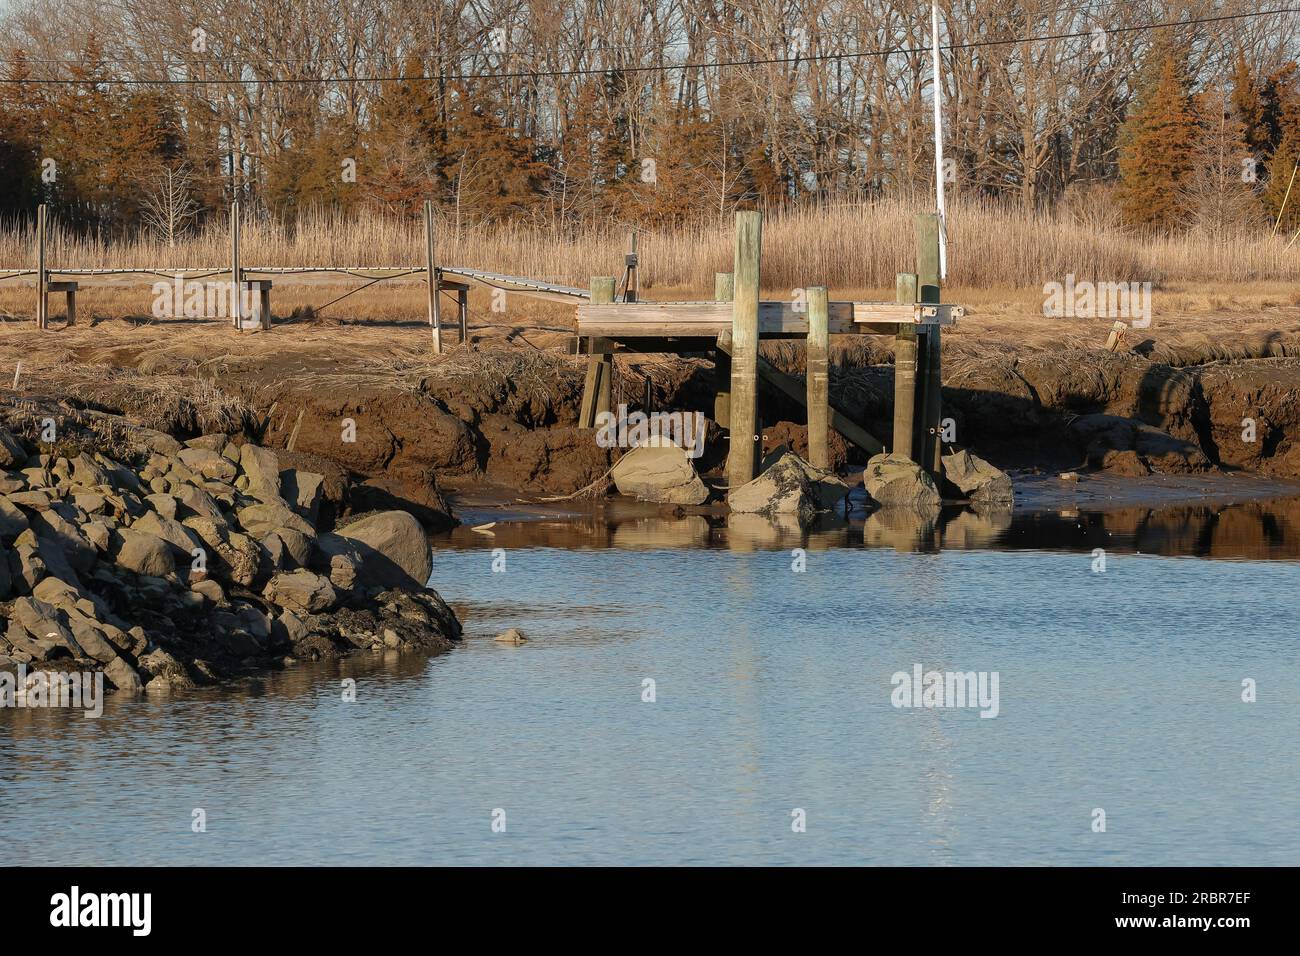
point(858, 245)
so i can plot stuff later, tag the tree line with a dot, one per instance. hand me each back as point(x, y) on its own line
point(573, 113)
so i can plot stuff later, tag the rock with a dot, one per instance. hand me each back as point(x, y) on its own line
point(183, 539)
point(211, 590)
point(300, 591)
point(394, 550)
point(896, 480)
point(511, 636)
point(98, 534)
point(12, 452)
point(262, 470)
point(6, 582)
point(339, 559)
point(215, 442)
point(297, 545)
point(977, 479)
point(208, 463)
point(144, 553)
point(90, 473)
point(164, 505)
point(237, 555)
point(51, 526)
point(123, 676)
point(26, 568)
point(12, 521)
point(30, 500)
point(829, 490)
point(660, 473)
point(782, 489)
point(90, 502)
point(303, 491)
point(263, 518)
point(197, 502)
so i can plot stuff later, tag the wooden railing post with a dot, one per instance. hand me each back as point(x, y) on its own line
point(818, 378)
point(742, 458)
point(236, 273)
point(597, 391)
point(42, 288)
point(431, 275)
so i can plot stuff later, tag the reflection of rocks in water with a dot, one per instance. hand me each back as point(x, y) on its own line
point(691, 531)
point(970, 529)
point(903, 529)
point(747, 532)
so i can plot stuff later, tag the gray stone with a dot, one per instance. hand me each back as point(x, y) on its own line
point(897, 480)
point(183, 539)
point(12, 521)
point(511, 636)
point(259, 519)
point(208, 463)
point(978, 480)
point(262, 469)
point(12, 452)
point(123, 676)
point(300, 591)
point(303, 491)
point(394, 549)
point(660, 473)
point(783, 489)
point(164, 505)
point(144, 553)
point(196, 501)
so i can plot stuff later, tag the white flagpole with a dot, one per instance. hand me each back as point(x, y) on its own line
point(938, 142)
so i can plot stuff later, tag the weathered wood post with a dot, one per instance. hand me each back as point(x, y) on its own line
point(904, 370)
point(742, 458)
point(818, 378)
point(42, 292)
point(930, 411)
point(431, 279)
point(633, 281)
point(722, 292)
point(462, 313)
point(597, 391)
point(236, 274)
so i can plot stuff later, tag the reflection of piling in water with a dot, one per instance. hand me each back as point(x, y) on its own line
point(970, 529)
point(902, 528)
point(646, 534)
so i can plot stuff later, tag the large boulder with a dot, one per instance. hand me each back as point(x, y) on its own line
point(300, 591)
point(262, 470)
point(977, 479)
point(394, 549)
point(660, 473)
point(144, 553)
point(782, 489)
point(897, 480)
point(209, 463)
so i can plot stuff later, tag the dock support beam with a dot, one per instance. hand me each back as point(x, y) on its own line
point(42, 293)
point(818, 378)
point(722, 292)
point(597, 392)
point(905, 349)
point(431, 274)
point(462, 313)
point(930, 402)
point(742, 458)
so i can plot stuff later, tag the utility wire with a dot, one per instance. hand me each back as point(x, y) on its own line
point(658, 68)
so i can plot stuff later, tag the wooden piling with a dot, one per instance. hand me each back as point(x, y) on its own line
point(462, 314)
point(818, 378)
point(633, 290)
point(930, 409)
point(904, 371)
point(236, 274)
point(722, 292)
point(431, 280)
point(742, 458)
point(42, 290)
point(597, 391)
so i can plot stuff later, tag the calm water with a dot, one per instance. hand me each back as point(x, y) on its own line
point(1118, 690)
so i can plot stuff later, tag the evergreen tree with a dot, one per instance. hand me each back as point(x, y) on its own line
point(1156, 145)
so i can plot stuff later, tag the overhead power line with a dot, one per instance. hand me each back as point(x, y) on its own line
point(653, 68)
